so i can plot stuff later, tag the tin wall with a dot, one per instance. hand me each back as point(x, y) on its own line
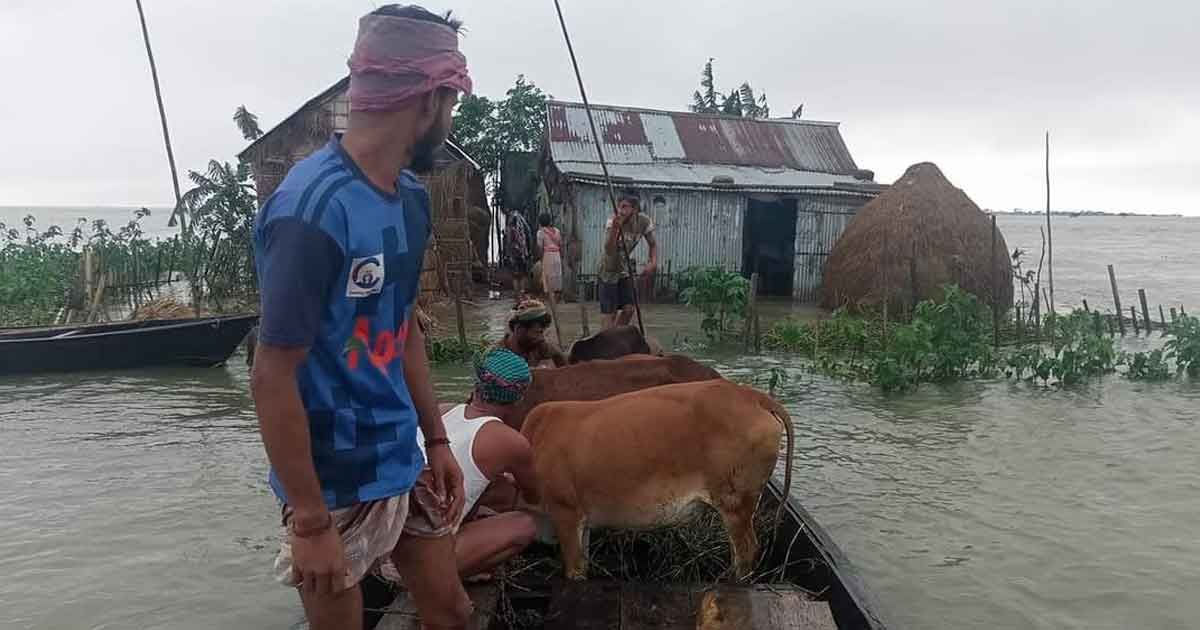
point(698, 227)
point(693, 227)
point(820, 220)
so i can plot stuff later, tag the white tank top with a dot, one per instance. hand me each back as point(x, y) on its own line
point(462, 431)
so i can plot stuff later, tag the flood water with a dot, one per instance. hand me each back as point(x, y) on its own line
point(138, 499)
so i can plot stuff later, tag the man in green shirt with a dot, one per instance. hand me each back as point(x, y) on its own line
point(616, 285)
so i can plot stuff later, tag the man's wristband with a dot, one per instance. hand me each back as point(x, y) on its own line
point(437, 441)
point(312, 531)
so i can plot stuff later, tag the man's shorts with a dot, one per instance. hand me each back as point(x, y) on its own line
point(371, 530)
point(615, 295)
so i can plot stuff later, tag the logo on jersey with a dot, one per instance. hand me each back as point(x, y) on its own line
point(366, 276)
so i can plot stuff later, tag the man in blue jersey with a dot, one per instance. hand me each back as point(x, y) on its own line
point(341, 380)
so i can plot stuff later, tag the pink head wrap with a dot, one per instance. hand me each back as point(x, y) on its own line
point(397, 58)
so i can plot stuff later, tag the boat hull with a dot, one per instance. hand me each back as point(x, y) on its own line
point(190, 342)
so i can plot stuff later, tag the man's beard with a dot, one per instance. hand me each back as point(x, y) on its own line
point(424, 150)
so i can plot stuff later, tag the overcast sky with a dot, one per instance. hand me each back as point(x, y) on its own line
point(969, 85)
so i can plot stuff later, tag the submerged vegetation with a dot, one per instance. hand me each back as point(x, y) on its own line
point(42, 274)
point(721, 296)
point(953, 339)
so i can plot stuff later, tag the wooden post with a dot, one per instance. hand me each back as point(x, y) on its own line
point(1112, 279)
point(1037, 312)
point(751, 311)
point(1174, 315)
point(583, 320)
point(667, 281)
point(1162, 316)
point(1020, 325)
point(1096, 322)
point(1111, 332)
point(458, 312)
point(1145, 310)
point(757, 334)
point(1133, 316)
point(1085, 307)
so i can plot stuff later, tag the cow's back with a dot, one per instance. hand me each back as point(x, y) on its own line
point(639, 458)
point(597, 380)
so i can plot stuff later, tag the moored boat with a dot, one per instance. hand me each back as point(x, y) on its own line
point(202, 341)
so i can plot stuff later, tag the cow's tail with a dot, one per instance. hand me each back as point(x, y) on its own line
point(782, 416)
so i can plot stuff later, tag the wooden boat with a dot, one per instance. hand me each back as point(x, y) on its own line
point(807, 584)
point(203, 341)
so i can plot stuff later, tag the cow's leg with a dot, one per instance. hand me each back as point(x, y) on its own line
point(571, 530)
point(738, 516)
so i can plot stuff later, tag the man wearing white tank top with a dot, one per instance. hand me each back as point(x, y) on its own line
point(496, 462)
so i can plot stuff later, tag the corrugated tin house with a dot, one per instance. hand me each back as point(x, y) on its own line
point(749, 195)
point(455, 185)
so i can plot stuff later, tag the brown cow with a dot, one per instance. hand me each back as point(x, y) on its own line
point(645, 458)
point(595, 380)
point(612, 343)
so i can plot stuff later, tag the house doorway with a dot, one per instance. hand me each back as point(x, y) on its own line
point(769, 245)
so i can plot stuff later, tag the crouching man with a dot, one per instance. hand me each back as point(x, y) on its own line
point(497, 466)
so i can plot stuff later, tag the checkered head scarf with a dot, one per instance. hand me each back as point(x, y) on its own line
point(529, 311)
point(501, 377)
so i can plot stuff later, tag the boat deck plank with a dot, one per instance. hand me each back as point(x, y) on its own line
point(402, 614)
point(584, 606)
point(599, 605)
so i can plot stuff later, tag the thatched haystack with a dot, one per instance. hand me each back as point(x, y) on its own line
point(918, 235)
point(163, 308)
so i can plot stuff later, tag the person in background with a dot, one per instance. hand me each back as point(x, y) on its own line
point(516, 245)
point(527, 325)
point(630, 226)
point(549, 241)
point(341, 380)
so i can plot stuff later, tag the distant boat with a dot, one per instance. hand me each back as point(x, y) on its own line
point(202, 341)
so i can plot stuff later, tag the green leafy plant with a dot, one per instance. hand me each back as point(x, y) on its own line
point(1148, 366)
point(452, 350)
point(1075, 353)
point(1184, 345)
point(720, 295)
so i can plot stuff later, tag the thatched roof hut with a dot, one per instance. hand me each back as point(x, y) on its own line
point(456, 184)
point(918, 235)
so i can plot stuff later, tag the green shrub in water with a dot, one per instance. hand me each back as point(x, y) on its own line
point(1076, 351)
point(720, 295)
point(1147, 366)
point(1184, 345)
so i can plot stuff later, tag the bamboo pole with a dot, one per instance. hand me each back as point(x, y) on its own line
point(1137, 330)
point(583, 318)
point(1049, 236)
point(612, 195)
point(1174, 315)
point(1145, 310)
point(995, 298)
point(162, 115)
point(751, 308)
point(1085, 307)
point(1112, 279)
point(458, 312)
